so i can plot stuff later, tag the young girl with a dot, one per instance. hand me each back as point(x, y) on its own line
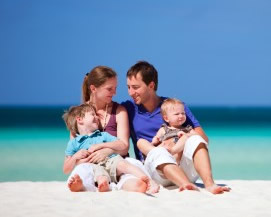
point(82, 121)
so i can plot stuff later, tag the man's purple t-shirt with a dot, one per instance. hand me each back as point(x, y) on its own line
point(144, 124)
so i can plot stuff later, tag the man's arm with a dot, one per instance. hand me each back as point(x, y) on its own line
point(201, 132)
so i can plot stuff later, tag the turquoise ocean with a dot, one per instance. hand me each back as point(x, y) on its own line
point(33, 140)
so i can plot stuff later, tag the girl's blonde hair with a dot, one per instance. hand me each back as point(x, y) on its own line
point(169, 103)
point(97, 77)
point(74, 112)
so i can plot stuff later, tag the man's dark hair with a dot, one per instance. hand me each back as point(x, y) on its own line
point(146, 70)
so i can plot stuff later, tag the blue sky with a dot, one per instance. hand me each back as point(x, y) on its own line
point(206, 52)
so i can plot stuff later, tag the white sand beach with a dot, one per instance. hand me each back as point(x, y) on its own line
point(32, 199)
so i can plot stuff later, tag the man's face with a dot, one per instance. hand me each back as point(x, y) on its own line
point(138, 90)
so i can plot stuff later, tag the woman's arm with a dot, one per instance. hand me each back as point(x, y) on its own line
point(123, 130)
point(117, 146)
point(121, 146)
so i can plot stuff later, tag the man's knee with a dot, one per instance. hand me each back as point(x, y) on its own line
point(201, 146)
point(166, 166)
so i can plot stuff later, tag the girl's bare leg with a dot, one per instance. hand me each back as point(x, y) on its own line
point(103, 183)
point(76, 184)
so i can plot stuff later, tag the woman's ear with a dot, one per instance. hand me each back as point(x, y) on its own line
point(92, 88)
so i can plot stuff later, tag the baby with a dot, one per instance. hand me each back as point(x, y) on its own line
point(173, 135)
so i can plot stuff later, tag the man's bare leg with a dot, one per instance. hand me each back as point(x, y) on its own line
point(175, 174)
point(202, 165)
point(76, 184)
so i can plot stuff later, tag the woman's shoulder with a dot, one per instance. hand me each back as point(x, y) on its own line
point(119, 107)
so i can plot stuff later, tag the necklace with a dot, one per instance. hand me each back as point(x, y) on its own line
point(105, 116)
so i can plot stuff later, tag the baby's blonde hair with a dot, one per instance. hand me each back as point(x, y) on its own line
point(169, 103)
point(74, 112)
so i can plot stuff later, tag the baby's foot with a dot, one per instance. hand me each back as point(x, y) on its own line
point(75, 184)
point(216, 189)
point(188, 186)
point(103, 184)
point(154, 187)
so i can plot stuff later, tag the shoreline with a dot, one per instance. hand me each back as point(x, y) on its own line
point(26, 198)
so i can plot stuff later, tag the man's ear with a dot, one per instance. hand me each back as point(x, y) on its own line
point(152, 85)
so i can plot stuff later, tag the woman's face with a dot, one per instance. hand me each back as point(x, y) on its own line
point(106, 91)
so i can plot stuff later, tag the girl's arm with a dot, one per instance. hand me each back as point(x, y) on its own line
point(179, 146)
point(156, 139)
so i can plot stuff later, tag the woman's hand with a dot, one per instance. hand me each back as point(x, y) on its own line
point(94, 148)
point(99, 155)
point(81, 154)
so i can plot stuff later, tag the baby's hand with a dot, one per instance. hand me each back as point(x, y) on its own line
point(81, 154)
point(155, 140)
point(180, 134)
point(167, 146)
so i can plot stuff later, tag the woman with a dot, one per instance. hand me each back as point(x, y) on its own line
point(99, 86)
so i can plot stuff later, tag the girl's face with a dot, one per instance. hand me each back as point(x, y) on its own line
point(106, 91)
point(90, 121)
point(175, 116)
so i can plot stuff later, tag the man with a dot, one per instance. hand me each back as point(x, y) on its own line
point(145, 120)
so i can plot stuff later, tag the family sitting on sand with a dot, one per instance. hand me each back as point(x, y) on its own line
point(165, 134)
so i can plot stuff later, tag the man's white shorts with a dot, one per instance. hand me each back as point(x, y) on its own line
point(160, 155)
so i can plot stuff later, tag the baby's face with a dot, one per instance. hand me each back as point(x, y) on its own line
point(91, 121)
point(175, 115)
